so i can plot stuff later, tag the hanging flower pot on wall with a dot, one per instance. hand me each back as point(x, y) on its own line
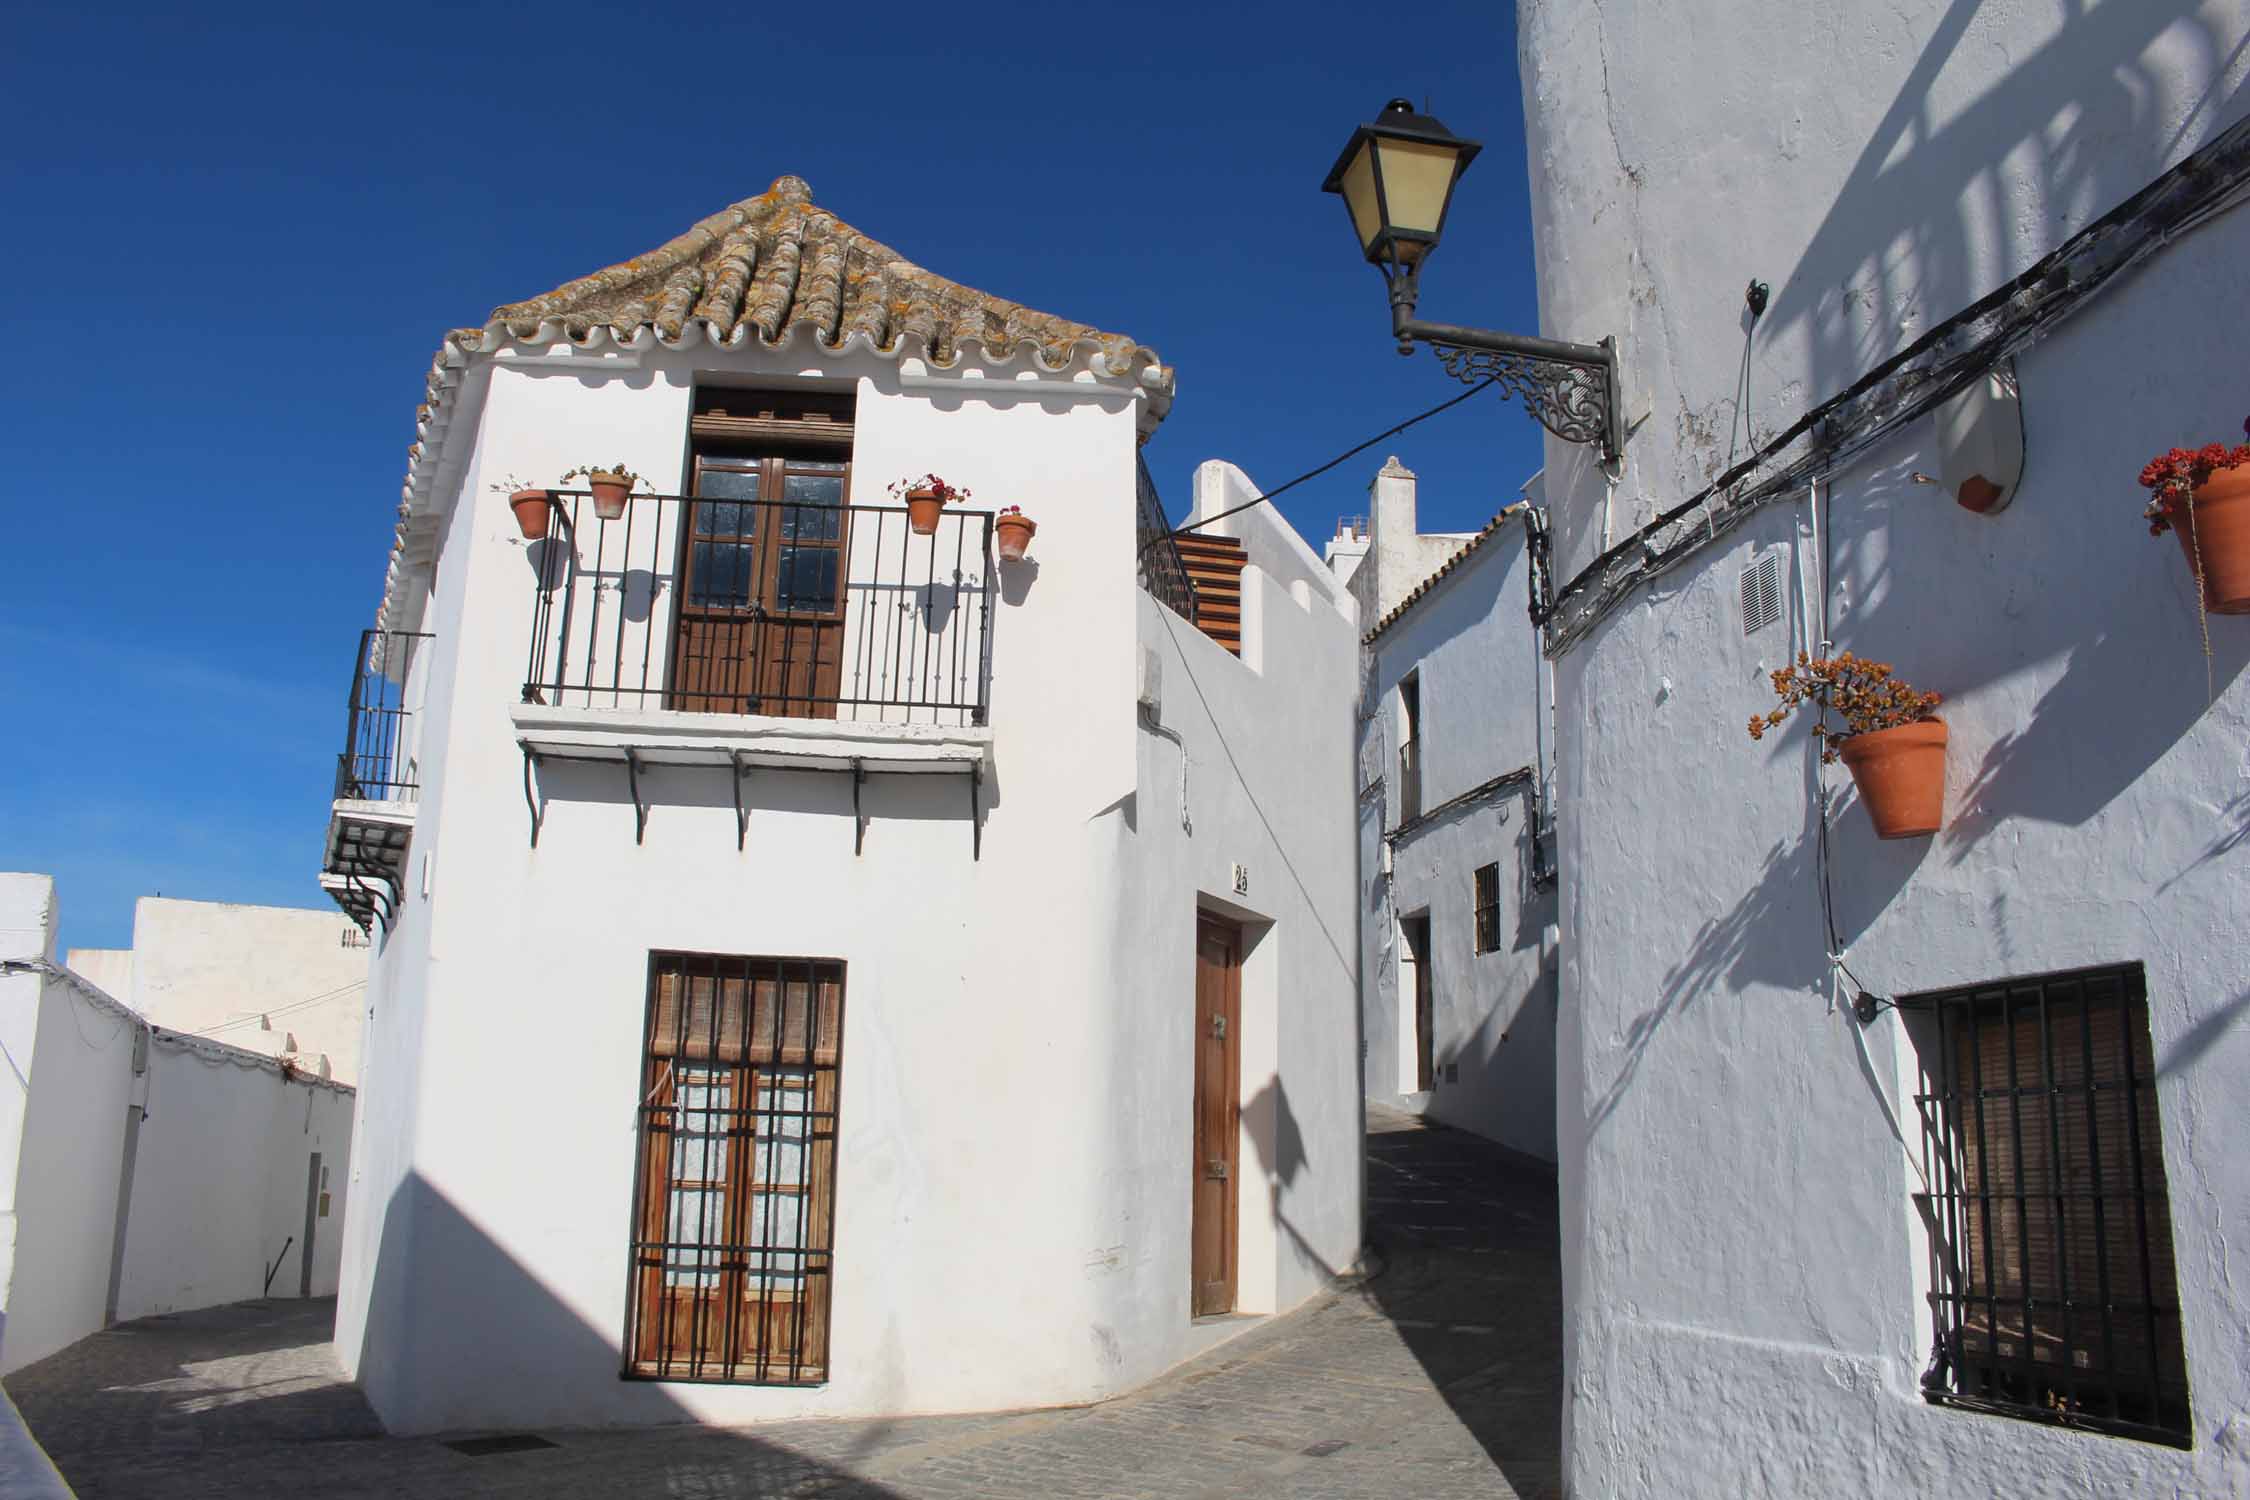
point(1013, 530)
point(1900, 774)
point(530, 504)
point(1891, 739)
point(925, 498)
point(2202, 495)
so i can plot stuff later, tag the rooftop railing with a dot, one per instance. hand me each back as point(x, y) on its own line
point(1162, 571)
point(793, 608)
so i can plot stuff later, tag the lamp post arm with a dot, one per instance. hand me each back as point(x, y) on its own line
point(1571, 389)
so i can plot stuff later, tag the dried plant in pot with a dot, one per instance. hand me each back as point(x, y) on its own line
point(925, 497)
point(1892, 740)
point(612, 488)
point(531, 504)
point(2202, 496)
point(1013, 531)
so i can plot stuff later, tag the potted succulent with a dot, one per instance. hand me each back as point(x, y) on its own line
point(1891, 739)
point(925, 497)
point(531, 505)
point(611, 486)
point(1015, 530)
point(2202, 495)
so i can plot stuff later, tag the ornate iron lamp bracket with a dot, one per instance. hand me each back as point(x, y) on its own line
point(1570, 389)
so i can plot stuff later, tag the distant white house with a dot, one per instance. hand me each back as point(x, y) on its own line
point(1457, 958)
point(1905, 1167)
point(823, 968)
point(275, 980)
point(143, 1169)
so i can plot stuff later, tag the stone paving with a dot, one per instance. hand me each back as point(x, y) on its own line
point(1438, 1376)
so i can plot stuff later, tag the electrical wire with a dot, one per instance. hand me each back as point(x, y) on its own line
point(279, 1010)
point(1350, 452)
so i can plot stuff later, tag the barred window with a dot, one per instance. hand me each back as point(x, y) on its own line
point(2053, 1292)
point(735, 1196)
point(1488, 908)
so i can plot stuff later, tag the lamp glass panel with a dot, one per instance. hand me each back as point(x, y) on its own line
point(1417, 180)
point(1359, 195)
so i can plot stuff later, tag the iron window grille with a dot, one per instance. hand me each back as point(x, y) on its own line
point(734, 1191)
point(1488, 908)
point(2053, 1294)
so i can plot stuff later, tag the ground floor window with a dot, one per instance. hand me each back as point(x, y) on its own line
point(735, 1194)
point(2051, 1276)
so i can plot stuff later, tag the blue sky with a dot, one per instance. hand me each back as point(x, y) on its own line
point(235, 237)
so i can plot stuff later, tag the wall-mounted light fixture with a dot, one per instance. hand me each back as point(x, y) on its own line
point(1396, 176)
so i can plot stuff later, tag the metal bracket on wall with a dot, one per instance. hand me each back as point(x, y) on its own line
point(640, 808)
point(859, 823)
point(976, 810)
point(741, 813)
point(530, 800)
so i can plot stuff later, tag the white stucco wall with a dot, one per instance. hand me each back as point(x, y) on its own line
point(1483, 699)
point(255, 977)
point(216, 1164)
point(70, 1065)
point(220, 1184)
point(990, 1203)
point(1739, 1256)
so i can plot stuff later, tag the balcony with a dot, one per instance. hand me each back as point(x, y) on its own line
point(799, 633)
point(1409, 781)
point(371, 820)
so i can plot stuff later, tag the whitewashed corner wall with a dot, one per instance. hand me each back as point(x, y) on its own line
point(1482, 695)
point(982, 1260)
point(1740, 1261)
point(219, 1166)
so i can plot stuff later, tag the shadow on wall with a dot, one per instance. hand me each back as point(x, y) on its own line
point(2058, 137)
point(1280, 1144)
point(208, 1382)
point(521, 1340)
point(1774, 937)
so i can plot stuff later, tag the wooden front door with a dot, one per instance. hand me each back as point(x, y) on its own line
point(1218, 1112)
point(762, 588)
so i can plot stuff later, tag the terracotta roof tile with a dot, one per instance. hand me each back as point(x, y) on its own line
point(776, 269)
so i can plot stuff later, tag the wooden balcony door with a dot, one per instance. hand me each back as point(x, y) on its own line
point(762, 587)
point(1218, 1113)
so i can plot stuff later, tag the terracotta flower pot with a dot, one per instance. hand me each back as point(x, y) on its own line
point(1901, 777)
point(1014, 533)
point(531, 510)
point(610, 494)
point(2216, 522)
point(922, 508)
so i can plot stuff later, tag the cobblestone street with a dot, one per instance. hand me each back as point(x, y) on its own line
point(1439, 1376)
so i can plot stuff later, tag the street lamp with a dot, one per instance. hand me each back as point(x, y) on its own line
point(1396, 177)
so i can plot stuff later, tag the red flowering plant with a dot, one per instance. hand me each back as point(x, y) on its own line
point(946, 494)
point(1864, 692)
point(1011, 510)
point(2173, 478)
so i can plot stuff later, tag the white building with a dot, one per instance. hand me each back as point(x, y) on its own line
point(821, 969)
point(274, 980)
point(1456, 933)
point(1801, 1256)
point(143, 1170)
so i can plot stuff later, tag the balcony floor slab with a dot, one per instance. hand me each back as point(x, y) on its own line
point(700, 739)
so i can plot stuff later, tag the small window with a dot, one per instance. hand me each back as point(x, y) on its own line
point(2052, 1286)
point(737, 1173)
point(1488, 908)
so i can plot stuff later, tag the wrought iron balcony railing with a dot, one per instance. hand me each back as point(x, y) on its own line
point(380, 759)
point(1162, 571)
point(793, 607)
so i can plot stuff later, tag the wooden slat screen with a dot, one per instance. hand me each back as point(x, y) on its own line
point(734, 1207)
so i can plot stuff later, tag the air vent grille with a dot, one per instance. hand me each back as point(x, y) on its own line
point(1761, 593)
